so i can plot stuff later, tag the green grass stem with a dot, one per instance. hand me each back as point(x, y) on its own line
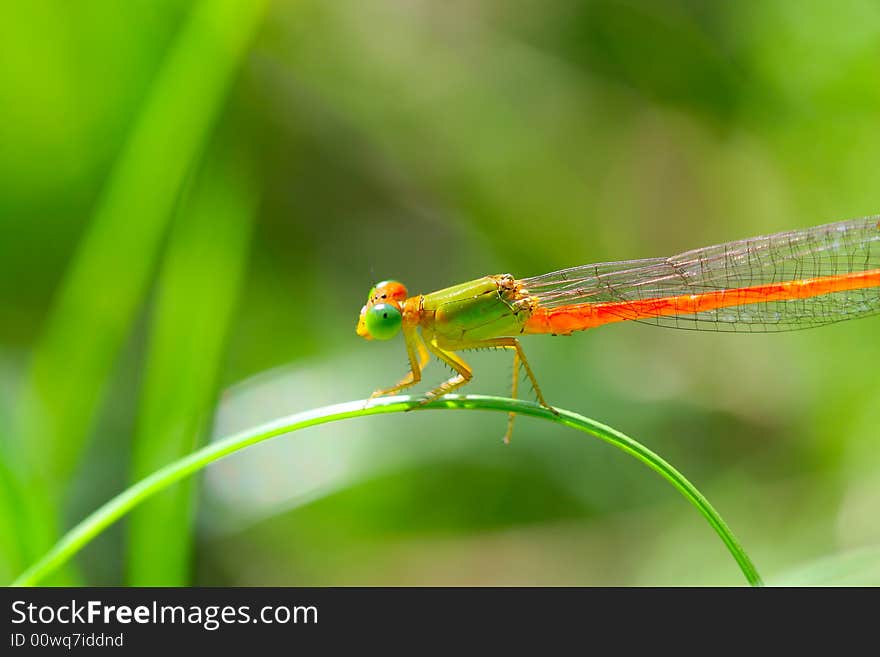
point(117, 507)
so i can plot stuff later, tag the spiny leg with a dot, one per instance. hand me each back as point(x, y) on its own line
point(418, 359)
point(519, 358)
point(513, 390)
point(463, 372)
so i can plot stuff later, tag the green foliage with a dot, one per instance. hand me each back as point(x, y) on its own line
point(196, 195)
point(105, 284)
point(197, 292)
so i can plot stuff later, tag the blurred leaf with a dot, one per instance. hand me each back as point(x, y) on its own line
point(198, 290)
point(105, 284)
point(12, 521)
point(852, 568)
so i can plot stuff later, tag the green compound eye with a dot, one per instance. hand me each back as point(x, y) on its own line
point(383, 321)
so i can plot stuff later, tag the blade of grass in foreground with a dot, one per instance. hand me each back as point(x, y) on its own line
point(198, 290)
point(106, 282)
point(105, 516)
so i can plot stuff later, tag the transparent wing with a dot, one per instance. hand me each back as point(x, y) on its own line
point(823, 251)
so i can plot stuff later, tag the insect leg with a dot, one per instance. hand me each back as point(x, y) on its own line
point(418, 359)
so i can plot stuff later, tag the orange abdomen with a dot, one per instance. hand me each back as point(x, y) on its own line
point(582, 316)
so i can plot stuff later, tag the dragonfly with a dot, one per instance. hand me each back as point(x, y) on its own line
point(781, 282)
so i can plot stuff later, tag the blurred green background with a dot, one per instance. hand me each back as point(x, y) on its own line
point(195, 198)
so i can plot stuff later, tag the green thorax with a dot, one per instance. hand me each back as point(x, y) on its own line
point(487, 307)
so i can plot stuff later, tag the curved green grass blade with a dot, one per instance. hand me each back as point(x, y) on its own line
point(197, 292)
point(99, 297)
point(94, 524)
